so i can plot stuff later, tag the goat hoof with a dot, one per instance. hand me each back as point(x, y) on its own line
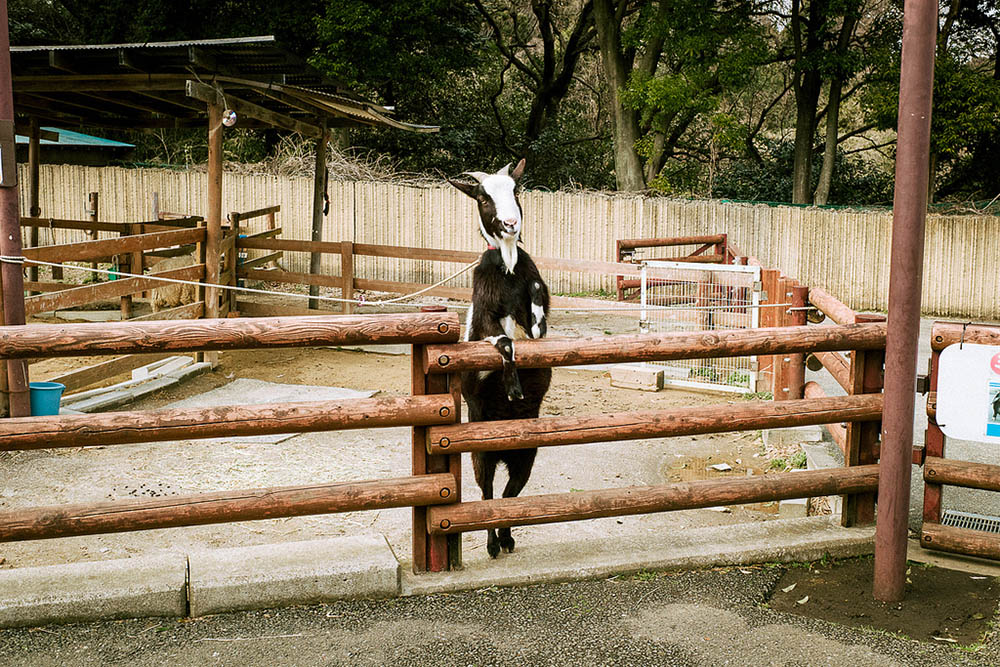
point(507, 544)
point(493, 549)
point(515, 395)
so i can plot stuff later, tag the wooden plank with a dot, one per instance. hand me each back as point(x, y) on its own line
point(222, 507)
point(88, 250)
point(552, 508)
point(933, 445)
point(262, 241)
point(960, 541)
point(629, 244)
point(85, 377)
point(42, 286)
point(480, 355)
point(255, 309)
point(79, 296)
point(117, 428)
point(256, 213)
point(278, 276)
point(93, 338)
point(189, 311)
point(552, 431)
point(260, 261)
point(85, 225)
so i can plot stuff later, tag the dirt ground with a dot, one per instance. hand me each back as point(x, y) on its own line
point(940, 605)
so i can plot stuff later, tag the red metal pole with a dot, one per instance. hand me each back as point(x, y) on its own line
point(10, 229)
point(916, 83)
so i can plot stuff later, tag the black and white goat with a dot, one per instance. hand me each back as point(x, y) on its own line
point(508, 294)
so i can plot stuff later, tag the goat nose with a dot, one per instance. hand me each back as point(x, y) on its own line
point(510, 222)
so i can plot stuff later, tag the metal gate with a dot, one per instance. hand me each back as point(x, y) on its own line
point(686, 296)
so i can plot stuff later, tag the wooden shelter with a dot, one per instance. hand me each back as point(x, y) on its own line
point(182, 84)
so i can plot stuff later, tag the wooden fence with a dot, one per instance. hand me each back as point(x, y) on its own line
point(842, 251)
point(433, 411)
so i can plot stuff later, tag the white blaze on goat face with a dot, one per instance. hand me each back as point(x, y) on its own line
point(500, 188)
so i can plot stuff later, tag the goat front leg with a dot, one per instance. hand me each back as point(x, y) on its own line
point(511, 381)
point(538, 294)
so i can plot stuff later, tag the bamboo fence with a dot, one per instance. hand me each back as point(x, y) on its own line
point(846, 252)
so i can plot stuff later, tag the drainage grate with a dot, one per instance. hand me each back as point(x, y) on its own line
point(989, 524)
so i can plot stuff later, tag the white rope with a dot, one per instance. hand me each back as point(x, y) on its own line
point(360, 302)
point(383, 302)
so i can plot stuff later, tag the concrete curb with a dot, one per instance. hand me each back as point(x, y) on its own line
point(279, 575)
point(781, 541)
point(212, 581)
point(123, 588)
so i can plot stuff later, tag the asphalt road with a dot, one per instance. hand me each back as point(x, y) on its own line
point(708, 618)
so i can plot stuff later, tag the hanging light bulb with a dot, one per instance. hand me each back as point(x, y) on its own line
point(229, 118)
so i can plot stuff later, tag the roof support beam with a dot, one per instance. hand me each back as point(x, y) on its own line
point(210, 95)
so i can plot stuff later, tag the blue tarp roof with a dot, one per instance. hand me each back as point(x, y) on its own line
point(70, 138)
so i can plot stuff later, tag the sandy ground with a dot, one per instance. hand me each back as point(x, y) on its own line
point(85, 475)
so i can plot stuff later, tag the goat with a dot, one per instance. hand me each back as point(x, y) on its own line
point(996, 406)
point(507, 293)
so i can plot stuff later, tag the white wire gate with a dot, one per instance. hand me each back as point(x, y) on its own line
point(686, 296)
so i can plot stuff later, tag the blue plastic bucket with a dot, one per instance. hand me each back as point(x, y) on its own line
point(45, 398)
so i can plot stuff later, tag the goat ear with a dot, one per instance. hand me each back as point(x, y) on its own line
point(467, 188)
point(518, 171)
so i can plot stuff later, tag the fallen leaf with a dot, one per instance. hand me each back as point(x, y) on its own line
point(945, 639)
point(977, 577)
point(789, 589)
point(803, 600)
point(721, 467)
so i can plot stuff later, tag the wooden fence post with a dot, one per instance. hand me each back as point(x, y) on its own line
point(862, 438)
point(124, 264)
point(233, 260)
point(795, 364)
point(933, 446)
point(93, 213)
point(347, 275)
point(433, 553)
point(34, 141)
point(767, 364)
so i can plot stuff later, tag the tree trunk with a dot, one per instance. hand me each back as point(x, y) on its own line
point(628, 167)
point(830, 148)
point(806, 103)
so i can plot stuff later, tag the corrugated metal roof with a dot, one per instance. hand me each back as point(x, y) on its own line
point(146, 85)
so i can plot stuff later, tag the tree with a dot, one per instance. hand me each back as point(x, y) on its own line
point(668, 63)
point(544, 49)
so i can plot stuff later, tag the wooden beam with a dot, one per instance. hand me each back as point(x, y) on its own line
point(541, 353)
point(962, 473)
point(224, 507)
point(94, 338)
point(32, 83)
point(960, 541)
point(553, 508)
point(89, 250)
point(190, 311)
point(84, 377)
point(200, 91)
point(276, 276)
point(118, 428)
point(631, 244)
point(944, 334)
point(831, 306)
point(79, 296)
point(551, 431)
